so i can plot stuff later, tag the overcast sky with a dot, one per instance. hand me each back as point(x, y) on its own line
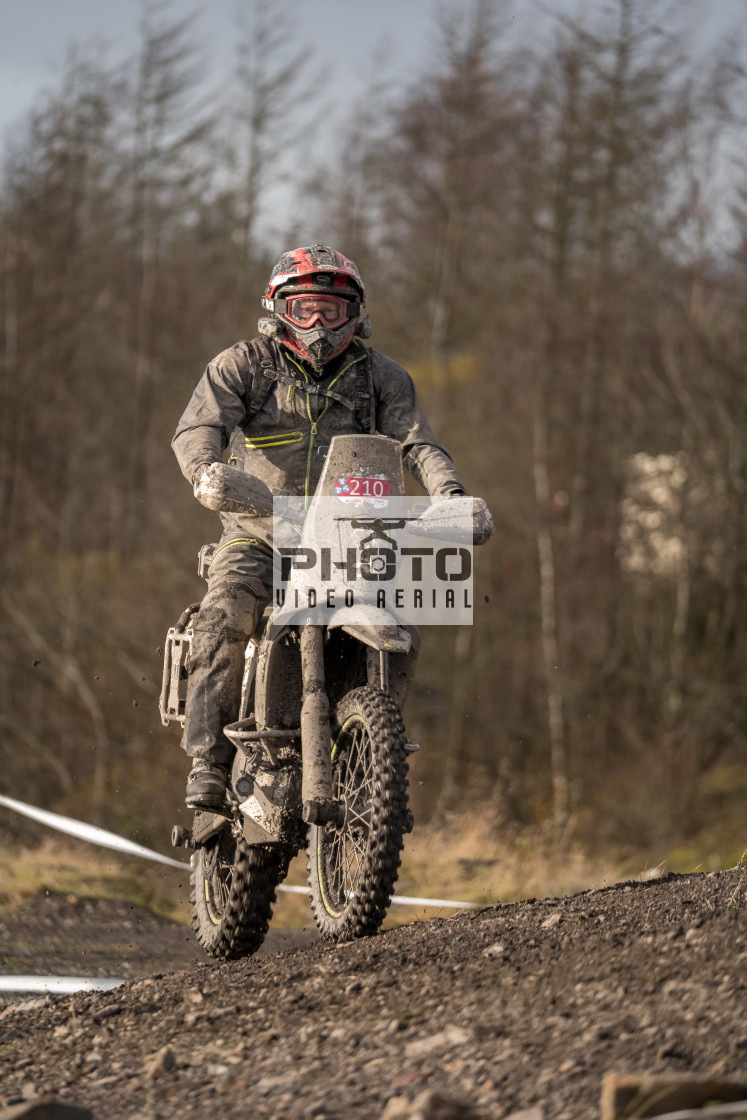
point(37, 33)
point(342, 34)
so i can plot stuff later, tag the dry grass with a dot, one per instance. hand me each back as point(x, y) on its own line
point(464, 859)
point(468, 858)
point(76, 868)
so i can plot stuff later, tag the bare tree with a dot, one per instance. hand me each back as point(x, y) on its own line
point(170, 128)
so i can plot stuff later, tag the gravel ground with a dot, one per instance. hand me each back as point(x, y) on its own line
point(63, 935)
point(499, 1010)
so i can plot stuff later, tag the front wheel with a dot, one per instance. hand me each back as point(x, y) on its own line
point(353, 863)
point(233, 891)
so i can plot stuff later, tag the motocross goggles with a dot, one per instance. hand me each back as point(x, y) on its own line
point(305, 309)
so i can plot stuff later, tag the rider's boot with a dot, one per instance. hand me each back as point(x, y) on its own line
point(206, 785)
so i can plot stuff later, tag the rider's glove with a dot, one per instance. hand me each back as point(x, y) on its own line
point(449, 514)
point(482, 522)
point(229, 490)
point(197, 472)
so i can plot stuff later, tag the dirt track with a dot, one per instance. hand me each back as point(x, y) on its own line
point(501, 1009)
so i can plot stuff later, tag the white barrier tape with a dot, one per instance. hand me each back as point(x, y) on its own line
point(61, 985)
point(89, 832)
point(105, 839)
point(406, 900)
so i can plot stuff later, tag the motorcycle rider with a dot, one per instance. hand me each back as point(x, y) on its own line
point(278, 401)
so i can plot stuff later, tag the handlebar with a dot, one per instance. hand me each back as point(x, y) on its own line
point(229, 490)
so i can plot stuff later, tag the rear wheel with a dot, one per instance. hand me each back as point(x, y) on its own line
point(353, 864)
point(233, 891)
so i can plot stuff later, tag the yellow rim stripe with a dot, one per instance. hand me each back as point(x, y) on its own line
point(208, 904)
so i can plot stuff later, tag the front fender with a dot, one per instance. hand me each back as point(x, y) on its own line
point(372, 626)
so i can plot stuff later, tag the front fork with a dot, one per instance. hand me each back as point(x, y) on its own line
point(319, 804)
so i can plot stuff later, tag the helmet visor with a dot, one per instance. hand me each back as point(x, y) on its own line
point(305, 310)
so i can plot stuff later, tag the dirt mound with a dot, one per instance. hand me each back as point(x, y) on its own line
point(500, 1009)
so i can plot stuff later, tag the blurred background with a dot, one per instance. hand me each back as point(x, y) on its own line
point(548, 204)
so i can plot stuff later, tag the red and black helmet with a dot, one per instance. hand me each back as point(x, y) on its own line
point(317, 295)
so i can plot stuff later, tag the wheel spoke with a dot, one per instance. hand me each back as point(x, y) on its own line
point(351, 879)
point(346, 847)
point(352, 855)
point(357, 858)
point(356, 817)
point(342, 866)
point(358, 853)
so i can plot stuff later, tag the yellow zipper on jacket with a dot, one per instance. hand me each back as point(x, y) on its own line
point(232, 544)
point(258, 442)
point(315, 423)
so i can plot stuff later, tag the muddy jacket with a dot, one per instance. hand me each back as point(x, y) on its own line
point(280, 421)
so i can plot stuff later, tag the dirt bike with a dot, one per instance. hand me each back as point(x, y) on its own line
point(321, 751)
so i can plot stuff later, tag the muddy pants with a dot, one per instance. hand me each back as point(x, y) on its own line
point(239, 588)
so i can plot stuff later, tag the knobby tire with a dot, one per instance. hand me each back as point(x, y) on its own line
point(233, 892)
point(353, 866)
